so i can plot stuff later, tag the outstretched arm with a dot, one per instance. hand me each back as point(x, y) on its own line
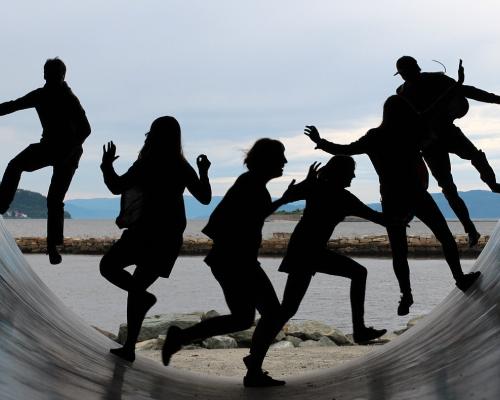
point(357, 147)
point(200, 187)
point(361, 210)
point(474, 93)
point(297, 191)
point(28, 101)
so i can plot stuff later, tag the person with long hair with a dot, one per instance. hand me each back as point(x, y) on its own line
point(235, 226)
point(394, 149)
point(154, 216)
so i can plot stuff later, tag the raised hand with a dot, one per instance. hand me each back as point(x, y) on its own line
point(109, 153)
point(203, 163)
point(289, 194)
point(312, 133)
point(461, 73)
point(312, 174)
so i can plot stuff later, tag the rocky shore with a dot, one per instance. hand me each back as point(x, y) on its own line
point(363, 246)
point(300, 345)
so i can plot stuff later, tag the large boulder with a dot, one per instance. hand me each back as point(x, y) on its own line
point(293, 340)
point(284, 344)
point(243, 338)
point(220, 342)
point(151, 344)
point(209, 314)
point(326, 342)
point(156, 325)
point(310, 343)
point(315, 330)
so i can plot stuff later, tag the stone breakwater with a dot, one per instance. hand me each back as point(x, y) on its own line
point(363, 246)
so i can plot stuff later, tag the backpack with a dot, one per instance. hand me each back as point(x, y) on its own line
point(130, 207)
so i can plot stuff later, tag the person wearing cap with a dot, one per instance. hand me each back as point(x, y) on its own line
point(65, 128)
point(421, 90)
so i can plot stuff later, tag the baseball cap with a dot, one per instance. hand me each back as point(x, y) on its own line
point(406, 63)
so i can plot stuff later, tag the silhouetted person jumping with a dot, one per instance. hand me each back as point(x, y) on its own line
point(65, 128)
point(422, 89)
point(394, 150)
point(235, 227)
point(154, 215)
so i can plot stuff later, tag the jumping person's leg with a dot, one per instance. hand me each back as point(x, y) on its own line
point(121, 254)
point(112, 267)
point(30, 159)
point(61, 179)
point(339, 265)
point(268, 305)
point(399, 248)
point(239, 294)
point(139, 302)
point(429, 213)
point(465, 149)
point(438, 160)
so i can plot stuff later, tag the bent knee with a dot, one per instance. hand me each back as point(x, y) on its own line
point(288, 311)
point(361, 273)
point(104, 266)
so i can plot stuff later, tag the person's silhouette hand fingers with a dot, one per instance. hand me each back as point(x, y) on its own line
point(292, 184)
point(313, 170)
point(109, 153)
point(312, 133)
point(461, 73)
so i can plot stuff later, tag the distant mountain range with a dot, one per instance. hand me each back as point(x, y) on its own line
point(482, 204)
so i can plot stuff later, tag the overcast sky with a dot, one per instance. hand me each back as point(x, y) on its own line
point(234, 71)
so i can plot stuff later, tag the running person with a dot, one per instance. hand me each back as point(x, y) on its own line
point(327, 204)
point(235, 227)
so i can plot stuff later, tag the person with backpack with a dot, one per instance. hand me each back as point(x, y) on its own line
point(154, 216)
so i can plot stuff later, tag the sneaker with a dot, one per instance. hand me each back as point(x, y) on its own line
point(126, 354)
point(172, 344)
point(467, 280)
point(405, 304)
point(260, 379)
point(365, 334)
point(54, 256)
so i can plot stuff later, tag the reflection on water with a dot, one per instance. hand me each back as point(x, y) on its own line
point(192, 287)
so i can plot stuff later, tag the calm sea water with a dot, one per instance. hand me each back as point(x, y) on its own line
point(192, 287)
point(101, 228)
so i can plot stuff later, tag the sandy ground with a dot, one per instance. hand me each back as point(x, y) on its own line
point(279, 362)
